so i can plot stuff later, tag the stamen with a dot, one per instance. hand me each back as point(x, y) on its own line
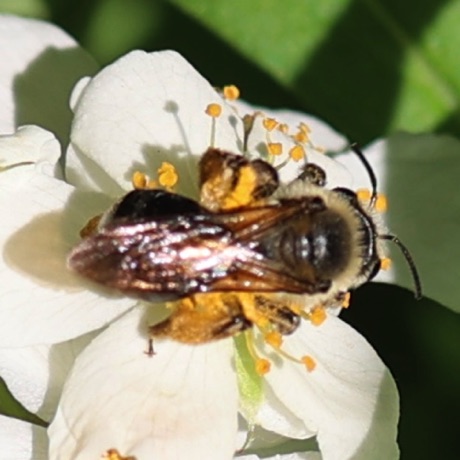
point(262, 365)
point(297, 153)
point(274, 339)
point(304, 128)
point(113, 454)
point(309, 362)
point(381, 203)
point(139, 180)
point(317, 316)
point(214, 111)
point(269, 124)
point(275, 148)
point(248, 124)
point(301, 137)
point(284, 128)
point(385, 263)
point(91, 226)
point(346, 300)
point(364, 195)
point(231, 92)
point(167, 175)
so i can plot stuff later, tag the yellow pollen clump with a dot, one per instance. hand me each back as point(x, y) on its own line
point(297, 153)
point(167, 175)
point(275, 148)
point(346, 300)
point(113, 454)
point(363, 194)
point(231, 92)
point(283, 127)
point(262, 366)
point(385, 263)
point(214, 110)
point(301, 137)
point(309, 362)
point(269, 124)
point(381, 204)
point(318, 316)
point(274, 339)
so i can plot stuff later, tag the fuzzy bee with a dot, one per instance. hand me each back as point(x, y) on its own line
point(249, 253)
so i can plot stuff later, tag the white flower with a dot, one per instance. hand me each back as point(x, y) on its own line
point(183, 402)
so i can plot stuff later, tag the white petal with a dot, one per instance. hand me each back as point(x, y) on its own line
point(180, 403)
point(30, 149)
point(41, 301)
point(40, 65)
point(22, 441)
point(140, 111)
point(350, 398)
point(35, 375)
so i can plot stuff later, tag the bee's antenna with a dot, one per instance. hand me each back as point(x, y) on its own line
point(370, 171)
point(410, 262)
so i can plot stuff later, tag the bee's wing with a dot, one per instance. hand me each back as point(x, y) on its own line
point(153, 260)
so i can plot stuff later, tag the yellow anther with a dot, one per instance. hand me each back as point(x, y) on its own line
point(113, 454)
point(364, 195)
point(297, 153)
point(274, 339)
point(139, 180)
point(269, 124)
point(167, 175)
point(275, 148)
point(346, 300)
point(214, 110)
point(304, 128)
point(381, 203)
point(385, 263)
point(317, 316)
point(231, 92)
point(90, 227)
point(309, 362)
point(263, 366)
point(283, 127)
point(301, 137)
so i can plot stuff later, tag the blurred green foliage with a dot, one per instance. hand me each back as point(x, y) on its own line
point(368, 68)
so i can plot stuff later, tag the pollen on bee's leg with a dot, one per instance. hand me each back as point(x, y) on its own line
point(231, 92)
point(385, 263)
point(91, 226)
point(113, 454)
point(214, 111)
point(309, 363)
point(167, 175)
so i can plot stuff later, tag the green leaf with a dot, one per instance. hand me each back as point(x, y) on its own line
point(366, 66)
point(418, 341)
point(11, 407)
point(422, 183)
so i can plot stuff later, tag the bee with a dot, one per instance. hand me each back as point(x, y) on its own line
point(251, 252)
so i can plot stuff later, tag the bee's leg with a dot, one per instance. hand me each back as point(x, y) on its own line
point(203, 318)
point(313, 174)
point(278, 314)
point(229, 181)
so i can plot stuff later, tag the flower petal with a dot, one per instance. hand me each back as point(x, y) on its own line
point(40, 65)
point(22, 441)
point(41, 301)
point(349, 399)
point(179, 403)
point(140, 111)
